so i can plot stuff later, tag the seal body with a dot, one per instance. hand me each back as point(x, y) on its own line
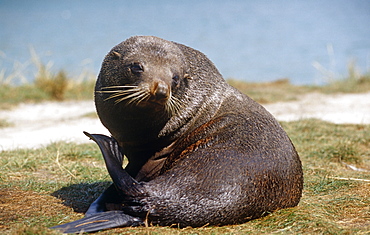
point(199, 151)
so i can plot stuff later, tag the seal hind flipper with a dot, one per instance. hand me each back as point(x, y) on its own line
point(99, 221)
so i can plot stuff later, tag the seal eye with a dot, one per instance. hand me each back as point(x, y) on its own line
point(136, 68)
point(175, 80)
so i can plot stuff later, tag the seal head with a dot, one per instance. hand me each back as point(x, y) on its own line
point(148, 93)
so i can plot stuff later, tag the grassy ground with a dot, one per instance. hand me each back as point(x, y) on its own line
point(41, 188)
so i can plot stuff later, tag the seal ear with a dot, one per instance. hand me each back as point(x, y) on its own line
point(113, 158)
point(187, 76)
point(116, 55)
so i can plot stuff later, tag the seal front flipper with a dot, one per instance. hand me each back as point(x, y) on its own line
point(110, 196)
point(99, 221)
point(111, 151)
point(125, 190)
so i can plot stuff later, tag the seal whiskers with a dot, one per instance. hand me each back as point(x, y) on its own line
point(135, 98)
point(173, 105)
point(134, 94)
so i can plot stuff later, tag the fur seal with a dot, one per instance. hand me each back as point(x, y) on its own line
point(199, 151)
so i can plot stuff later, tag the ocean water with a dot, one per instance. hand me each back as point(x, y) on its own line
point(305, 41)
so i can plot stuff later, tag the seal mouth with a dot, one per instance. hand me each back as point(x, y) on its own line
point(161, 102)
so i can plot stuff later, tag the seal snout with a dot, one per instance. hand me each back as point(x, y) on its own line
point(160, 91)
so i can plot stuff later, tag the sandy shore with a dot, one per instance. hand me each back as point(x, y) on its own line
point(37, 125)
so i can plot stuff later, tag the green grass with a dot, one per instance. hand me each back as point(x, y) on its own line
point(43, 187)
point(50, 85)
point(283, 90)
point(12, 95)
point(46, 85)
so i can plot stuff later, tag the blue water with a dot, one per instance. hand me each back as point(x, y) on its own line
point(247, 40)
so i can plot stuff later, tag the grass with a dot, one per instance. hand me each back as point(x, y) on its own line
point(5, 123)
point(47, 84)
point(43, 187)
point(50, 85)
point(31, 93)
point(283, 90)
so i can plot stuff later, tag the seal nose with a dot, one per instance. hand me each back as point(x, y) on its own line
point(160, 90)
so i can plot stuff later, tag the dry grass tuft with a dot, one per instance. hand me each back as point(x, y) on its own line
point(55, 85)
point(46, 85)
